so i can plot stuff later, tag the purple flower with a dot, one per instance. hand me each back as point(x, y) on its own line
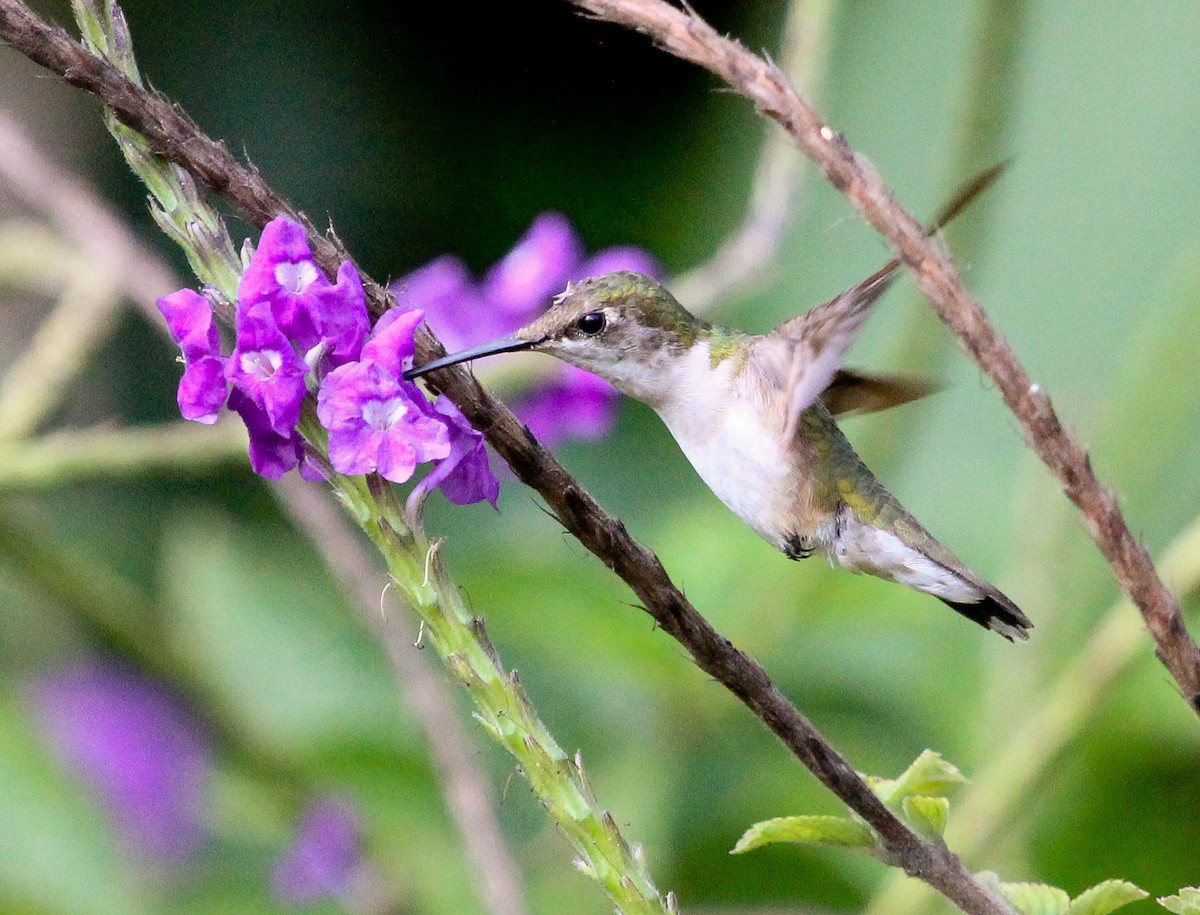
point(307, 308)
point(376, 420)
point(202, 388)
point(392, 342)
point(137, 746)
point(464, 475)
point(344, 319)
point(452, 302)
point(324, 857)
point(282, 273)
point(570, 403)
point(265, 368)
point(619, 257)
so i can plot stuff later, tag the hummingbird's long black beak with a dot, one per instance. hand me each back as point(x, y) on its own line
point(511, 343)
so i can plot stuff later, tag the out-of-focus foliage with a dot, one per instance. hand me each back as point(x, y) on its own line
point(422, 132)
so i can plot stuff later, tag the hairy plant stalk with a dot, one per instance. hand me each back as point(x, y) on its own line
point(502, 706)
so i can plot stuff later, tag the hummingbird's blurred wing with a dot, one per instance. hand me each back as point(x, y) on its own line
point(853, 392)
point(812, 345)
point(808, 350)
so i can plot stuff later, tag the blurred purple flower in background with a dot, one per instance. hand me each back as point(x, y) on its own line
point(324, 856)
point(137, 746)
point(566, 402)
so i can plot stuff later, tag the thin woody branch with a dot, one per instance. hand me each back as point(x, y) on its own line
point(175, 136)
point(682, 33)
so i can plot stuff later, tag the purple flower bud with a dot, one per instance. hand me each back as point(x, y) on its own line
point(323, 858)
point(202, 389)
point(536, 269)
point(137, 746)
point(265, 368)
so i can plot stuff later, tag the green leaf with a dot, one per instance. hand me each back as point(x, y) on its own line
point(929, 775)
point(1106, 897)
point(836, 831)
point(1185, 902)
point(927, 815)
point(1036, 898)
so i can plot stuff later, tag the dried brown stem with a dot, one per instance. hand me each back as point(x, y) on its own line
point(682, 33)
point(176, 136)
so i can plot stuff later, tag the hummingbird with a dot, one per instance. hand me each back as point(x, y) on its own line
point(755, 414)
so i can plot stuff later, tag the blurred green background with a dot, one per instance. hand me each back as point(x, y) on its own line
point(421, 132)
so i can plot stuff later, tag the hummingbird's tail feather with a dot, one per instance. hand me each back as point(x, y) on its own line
point(879, 537)
point(997, 613)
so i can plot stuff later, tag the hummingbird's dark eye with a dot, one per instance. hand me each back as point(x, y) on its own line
point(591, 323)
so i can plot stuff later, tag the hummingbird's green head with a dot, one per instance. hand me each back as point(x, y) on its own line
point(621, 326)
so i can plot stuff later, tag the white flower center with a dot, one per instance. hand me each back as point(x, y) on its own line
point(381, 415)
point(262, 364)
point(295, 278)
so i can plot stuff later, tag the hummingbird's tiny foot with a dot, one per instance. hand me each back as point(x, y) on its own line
point(797, 546)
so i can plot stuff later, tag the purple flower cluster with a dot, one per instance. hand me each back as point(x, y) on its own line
point(569, 403)
point(297, 332)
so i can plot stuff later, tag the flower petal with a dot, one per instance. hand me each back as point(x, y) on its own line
point(271, 455)
point(203, 389)
point(377, 422)
point(391, 344)
point(464, 475)
point(453, 304)
point(620, 257)
point(342, 315)
point(572, 404)
point(265, 368)
point(538, 266)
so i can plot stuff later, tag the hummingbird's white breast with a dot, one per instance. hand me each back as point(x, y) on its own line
point(730, 427)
